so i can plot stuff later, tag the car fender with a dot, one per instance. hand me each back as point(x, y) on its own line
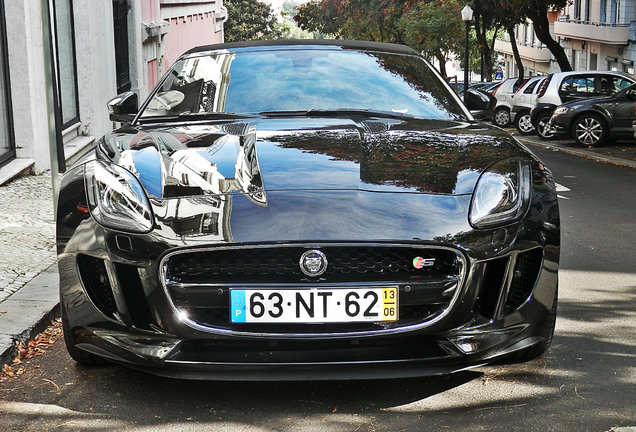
point(600, 112)
point(540, 109)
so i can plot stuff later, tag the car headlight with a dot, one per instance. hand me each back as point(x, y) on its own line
point(502, 194)
point(116, 198)
point(561, 110)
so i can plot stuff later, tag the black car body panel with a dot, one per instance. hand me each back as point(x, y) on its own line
point(617, 112)
point(234, 205)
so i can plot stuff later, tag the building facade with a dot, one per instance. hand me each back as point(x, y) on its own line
point(100, 48)
point(596, 34)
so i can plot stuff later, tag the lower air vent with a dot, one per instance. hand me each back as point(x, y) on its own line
point(524, 278)
point(95, 280)
point(492, 286)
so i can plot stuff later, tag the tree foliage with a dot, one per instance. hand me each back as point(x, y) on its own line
point(433, 26)
point(249, 20)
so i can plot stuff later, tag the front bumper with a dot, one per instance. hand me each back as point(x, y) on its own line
point(118, 306)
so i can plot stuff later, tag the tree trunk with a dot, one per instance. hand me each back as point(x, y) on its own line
point(542, 30)
point(442, 63)
point(515, 50)
point(484, 47)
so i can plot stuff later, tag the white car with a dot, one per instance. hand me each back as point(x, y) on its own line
point(523, 102)
point(504, 94)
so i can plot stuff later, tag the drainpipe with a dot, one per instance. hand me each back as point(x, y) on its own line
point(54, 120)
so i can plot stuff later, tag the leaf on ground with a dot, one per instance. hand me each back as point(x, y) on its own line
point(33, 348)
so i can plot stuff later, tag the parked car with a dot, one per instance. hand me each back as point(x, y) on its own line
point(523, 102)
point(591, 121)
point(305, 210)
point(504, 94)
point(563, 87)
point(481, 104)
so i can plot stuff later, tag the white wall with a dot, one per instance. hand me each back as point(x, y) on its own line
point(28, 96)
point(95, 53)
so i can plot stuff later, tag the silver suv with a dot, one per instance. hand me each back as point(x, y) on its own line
point(562, 87)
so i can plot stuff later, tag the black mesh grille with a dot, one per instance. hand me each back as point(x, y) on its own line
point(199, 282)
point(525, 276)
point(95, 280)
point(281, 265)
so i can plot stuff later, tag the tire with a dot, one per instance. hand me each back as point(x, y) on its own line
point(541, 127)
point(501, 117)
point(589, 130)
point(535, 351)
point(523, 123)
point(80, 356)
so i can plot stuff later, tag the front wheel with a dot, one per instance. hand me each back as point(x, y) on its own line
point(589, 130)
point(523, 123)
point(544, 131)
point(501, 117)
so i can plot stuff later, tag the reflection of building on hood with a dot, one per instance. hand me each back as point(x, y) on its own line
point(198, 216)
point(189, 168)
point(247, 173)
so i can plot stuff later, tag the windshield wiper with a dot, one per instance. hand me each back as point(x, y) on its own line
point(340, 112)
point(196, 116)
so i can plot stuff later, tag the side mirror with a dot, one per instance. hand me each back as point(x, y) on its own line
point(123, 107)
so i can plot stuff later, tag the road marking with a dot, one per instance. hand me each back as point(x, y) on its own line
point(561, 188)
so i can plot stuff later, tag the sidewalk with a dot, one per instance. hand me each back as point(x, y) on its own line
point(28, 273)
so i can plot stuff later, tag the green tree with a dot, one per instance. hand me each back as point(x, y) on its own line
point(249, 20)
point(433, 27)
point(374, 20)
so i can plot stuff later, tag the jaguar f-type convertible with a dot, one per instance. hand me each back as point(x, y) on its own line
point(305, 210)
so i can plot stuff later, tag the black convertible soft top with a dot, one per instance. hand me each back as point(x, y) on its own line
point(362, 45)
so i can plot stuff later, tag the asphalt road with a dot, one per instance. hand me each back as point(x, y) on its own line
point(585, 382)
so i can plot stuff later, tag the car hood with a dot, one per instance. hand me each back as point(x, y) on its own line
point(263, 155)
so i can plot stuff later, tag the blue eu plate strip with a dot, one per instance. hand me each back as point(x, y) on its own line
point(237, 302)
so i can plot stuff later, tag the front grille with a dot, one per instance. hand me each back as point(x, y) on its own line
point(281, 265)
point(199, 281)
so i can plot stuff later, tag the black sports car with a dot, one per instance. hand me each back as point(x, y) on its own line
point(590, 122)
point(305, 210)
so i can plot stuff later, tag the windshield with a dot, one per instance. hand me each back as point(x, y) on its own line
point(277, 80)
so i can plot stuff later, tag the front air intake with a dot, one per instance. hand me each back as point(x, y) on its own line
point(96, 283)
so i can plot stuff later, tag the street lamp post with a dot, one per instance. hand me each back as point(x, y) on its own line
point(467, 16)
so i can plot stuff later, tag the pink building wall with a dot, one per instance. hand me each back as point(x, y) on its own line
point(187, 32)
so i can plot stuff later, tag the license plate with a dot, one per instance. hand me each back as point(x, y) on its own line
point(333, 305)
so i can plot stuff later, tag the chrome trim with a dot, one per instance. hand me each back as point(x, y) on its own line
point(225, 332)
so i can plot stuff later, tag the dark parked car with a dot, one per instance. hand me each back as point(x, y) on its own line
point(591, 121)
point(564, 87)
point(480, 103)
point(305, 210)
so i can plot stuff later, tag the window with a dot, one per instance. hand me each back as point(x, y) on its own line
point(120, 24)
point(603, 16)
point(577, 85)
point(529, 89)
point(7, 147)
point(66, 67)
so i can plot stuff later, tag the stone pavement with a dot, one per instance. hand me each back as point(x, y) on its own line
point(28, 274)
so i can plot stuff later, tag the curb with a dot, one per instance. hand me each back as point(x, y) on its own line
point(581, 153)
point(28, 312)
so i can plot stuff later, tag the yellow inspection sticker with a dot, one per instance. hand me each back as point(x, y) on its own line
point(389, 304)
